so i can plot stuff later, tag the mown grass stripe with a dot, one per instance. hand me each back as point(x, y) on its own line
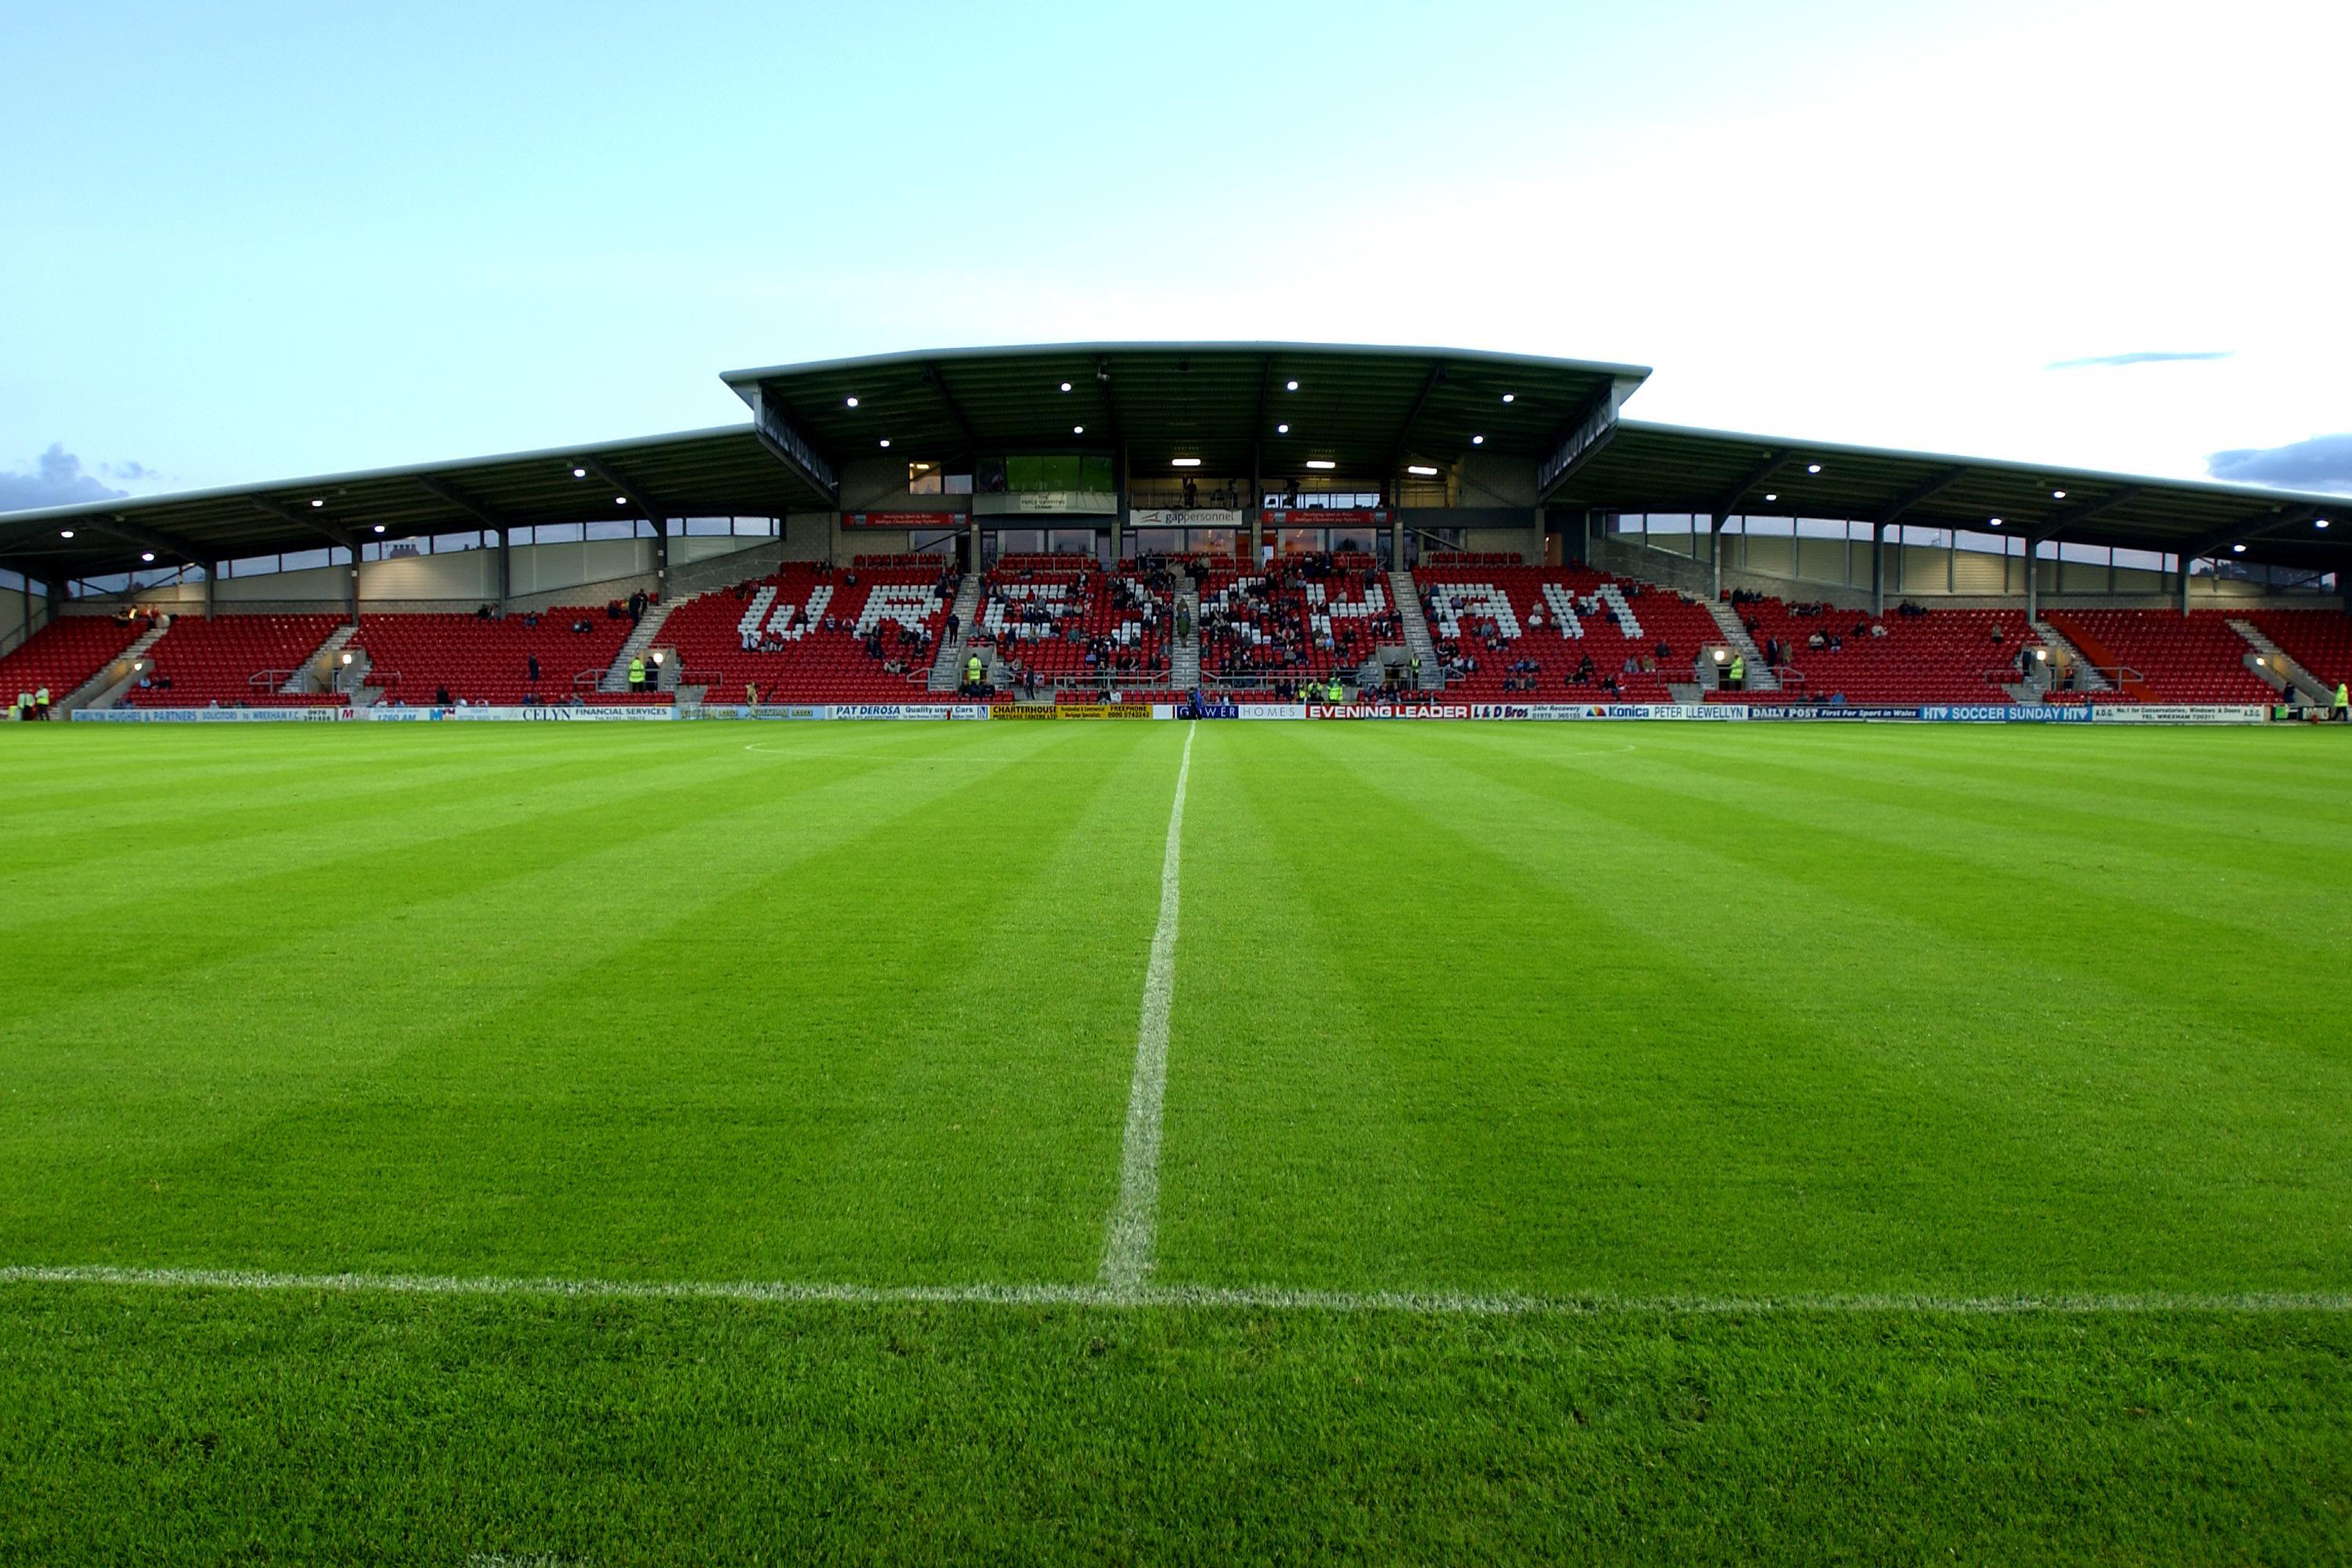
point(1430, 1303)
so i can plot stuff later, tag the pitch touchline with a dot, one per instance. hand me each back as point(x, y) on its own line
point(1261, 1298)
point(1127, 1251)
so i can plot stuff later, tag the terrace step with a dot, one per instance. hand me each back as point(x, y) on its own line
point(1760, 676)
point(640, 642)
point(101, 690)
point(1417, 640)
point(2086, 677)
point(2277, 667)
point(318, 671)
point(946, 669)
point(1185, 652)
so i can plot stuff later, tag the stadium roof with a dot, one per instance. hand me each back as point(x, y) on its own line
point(1366, 411)
point(1675, 469)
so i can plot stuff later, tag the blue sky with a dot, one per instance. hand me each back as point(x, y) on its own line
point(249, 241)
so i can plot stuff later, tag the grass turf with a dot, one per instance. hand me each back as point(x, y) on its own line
point(1618, 1012)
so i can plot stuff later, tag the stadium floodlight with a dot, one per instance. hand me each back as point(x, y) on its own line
point(1184, 462)
point(1321, 463)
point(1290, 386)
point(1812, 467)
point(1282, 429)
point(1421, 470)
point(853, 403)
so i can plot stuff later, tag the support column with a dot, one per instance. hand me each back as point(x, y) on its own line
point(1396, 539)
point(1714, 555)
point(353, 603)
point(971, 546)
point(1256, 508)
point(1878, 569)
point(2032, 581)
point(506, 573)
point(661, 556)
point(2184, 585)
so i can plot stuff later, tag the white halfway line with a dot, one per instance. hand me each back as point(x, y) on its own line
point(1244, 1298)
point(1127, 1252)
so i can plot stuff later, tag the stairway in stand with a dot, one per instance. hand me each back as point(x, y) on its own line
point(946, 669)
point(101, 690)
point(1185, 652)
point(2280, 663)
point(641, 639)
point(318, 671)
point(1759, 674)
point(2086, 678)
point(1417, 640)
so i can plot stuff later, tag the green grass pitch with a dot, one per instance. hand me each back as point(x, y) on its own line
point(1708, 1143)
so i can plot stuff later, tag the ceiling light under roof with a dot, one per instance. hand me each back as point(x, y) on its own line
point(885, 440)
point(1290, 386)
point(2057, 495)
point(1077, 429)
point(620, 501)
point(1774, 496)
point(1282, 429)
point(65, 534)
point(379, 528)
point(146, 555)
point(1321, 463)
point(1511, 398)
point(2237, 550)
point(1065, 386)
point(317, 503)
point(853, 401)
point(1477, 440)
point(2320, 523)
point(1812, 467)
point(1996, 522)
point(1184, 462)
point(1421, 470)
point(579, 473)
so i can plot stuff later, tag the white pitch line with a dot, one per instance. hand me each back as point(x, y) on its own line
point(1436, 1303)
point(1127, 1251)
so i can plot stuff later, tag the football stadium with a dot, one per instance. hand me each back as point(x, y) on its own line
point(1622, 992)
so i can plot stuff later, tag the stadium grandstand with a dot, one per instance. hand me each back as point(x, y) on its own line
point(1254, 523)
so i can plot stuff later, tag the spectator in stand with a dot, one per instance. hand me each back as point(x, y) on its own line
point(531, 662)
point(440, 697)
